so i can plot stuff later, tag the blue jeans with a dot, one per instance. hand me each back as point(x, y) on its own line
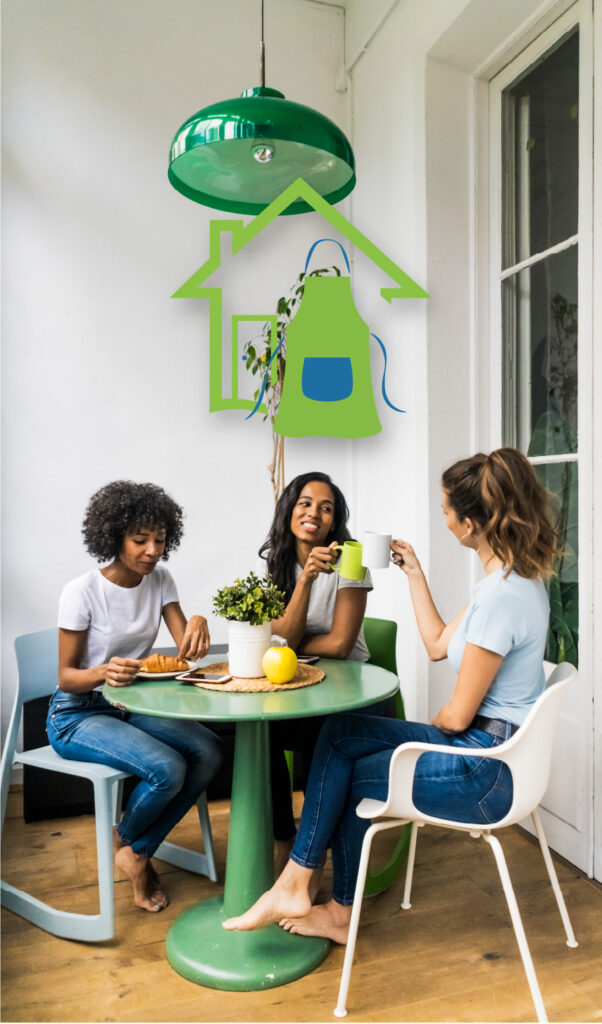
point(175, 760)
point(300, 735)
point(351, 761)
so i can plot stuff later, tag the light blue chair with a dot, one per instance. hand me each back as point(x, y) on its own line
point(37, 660)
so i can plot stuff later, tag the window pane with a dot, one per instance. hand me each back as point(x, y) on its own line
point(540, 117)
point(539, 324)
point(561, 480)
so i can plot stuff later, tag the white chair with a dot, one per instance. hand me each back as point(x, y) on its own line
point(37, 659)
point(528, 754)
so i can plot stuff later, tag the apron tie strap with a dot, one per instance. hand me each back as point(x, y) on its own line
point(384, 393)
point(265, 379)
point(317, 242)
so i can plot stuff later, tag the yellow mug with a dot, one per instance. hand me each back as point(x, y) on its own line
point(350, 564)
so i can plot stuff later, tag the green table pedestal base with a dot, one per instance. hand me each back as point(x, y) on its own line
point(202, 951)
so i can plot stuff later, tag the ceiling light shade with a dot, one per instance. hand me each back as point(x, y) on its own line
point(239, 154)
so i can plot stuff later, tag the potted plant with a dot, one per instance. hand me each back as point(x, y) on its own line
point(249, 605)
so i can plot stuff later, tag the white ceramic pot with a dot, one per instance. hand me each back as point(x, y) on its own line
point(247, 645)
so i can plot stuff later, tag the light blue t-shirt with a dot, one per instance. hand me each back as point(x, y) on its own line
point(509, 616)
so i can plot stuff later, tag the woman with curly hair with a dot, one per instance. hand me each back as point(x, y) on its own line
point(323, 616)
point(494, 505)
point(108, 621)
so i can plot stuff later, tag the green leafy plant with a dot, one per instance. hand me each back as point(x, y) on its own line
point(555, 434)
point(563, 635)
point(255, 600)
point(257, 354)
point(563, 351)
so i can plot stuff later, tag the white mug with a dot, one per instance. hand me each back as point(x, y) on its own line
point(376, 550)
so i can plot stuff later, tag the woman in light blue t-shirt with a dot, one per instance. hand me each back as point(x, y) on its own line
point(494, 505)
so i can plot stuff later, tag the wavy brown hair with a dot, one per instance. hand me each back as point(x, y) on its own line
point(502, 494)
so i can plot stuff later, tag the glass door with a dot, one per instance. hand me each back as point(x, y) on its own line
point(541, 397)
point(539, 295)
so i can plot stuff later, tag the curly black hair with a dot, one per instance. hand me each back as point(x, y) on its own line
point(279, 548)
point(121, 508)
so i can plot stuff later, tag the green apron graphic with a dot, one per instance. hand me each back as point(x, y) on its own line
point(327, 389)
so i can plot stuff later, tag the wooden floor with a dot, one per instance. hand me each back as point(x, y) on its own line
point(452, 957)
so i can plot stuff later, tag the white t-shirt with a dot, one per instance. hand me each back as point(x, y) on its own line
point(320, 611)
point(120, 621)
point(509, 616)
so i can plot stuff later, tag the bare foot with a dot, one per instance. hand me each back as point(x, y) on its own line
point(158, 895)
point(288, 897)
point(135, 866)
point(315, 882)
point(282, 849)
point(327, 920)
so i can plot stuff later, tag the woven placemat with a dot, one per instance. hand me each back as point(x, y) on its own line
point(306, 675)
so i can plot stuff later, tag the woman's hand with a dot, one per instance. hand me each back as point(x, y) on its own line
point(121, 671)
point(195, 642)
point(404, 556)
point(320, 560)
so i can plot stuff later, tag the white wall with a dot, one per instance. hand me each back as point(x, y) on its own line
point(420, 134)
point(104, 375)
point(413, 101)
point(389, 106)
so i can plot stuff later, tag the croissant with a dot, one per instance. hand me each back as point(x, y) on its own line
point(163, 663)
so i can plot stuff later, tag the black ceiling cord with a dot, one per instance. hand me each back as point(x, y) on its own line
point(262, 52)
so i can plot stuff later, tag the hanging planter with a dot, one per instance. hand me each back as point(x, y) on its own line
point(249, 605)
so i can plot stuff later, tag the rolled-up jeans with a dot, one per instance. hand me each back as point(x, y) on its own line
point(175, 760)
point(351, 761)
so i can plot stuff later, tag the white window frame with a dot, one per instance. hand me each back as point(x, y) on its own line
point(580, 14)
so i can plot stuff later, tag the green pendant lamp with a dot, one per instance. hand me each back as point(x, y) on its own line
point(238, 155)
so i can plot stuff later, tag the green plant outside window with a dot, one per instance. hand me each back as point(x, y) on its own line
point(539, 288)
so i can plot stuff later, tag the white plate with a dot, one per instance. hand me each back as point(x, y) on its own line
point(167, 675)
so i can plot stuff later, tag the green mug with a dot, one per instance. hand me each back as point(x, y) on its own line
point(350, 564)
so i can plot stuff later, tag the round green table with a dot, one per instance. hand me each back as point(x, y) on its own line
point(198, 947)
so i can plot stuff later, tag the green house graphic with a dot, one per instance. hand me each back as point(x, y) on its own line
point(352, 412)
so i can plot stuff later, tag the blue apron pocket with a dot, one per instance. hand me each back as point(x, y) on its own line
point(326, 379)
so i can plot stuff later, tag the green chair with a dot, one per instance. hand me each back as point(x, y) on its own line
point(380, 636)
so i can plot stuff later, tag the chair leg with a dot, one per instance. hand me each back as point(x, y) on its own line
point(117, 801)
point(192, 860)
point(6, 767)
point(570, 935)
point(382, 879)
point(205, 823)
point(82, 927)
point(104, 803)
point(410, 868)
point(341, 1009)
point(519, 931)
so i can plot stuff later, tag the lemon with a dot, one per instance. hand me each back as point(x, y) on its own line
point(280, 664)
